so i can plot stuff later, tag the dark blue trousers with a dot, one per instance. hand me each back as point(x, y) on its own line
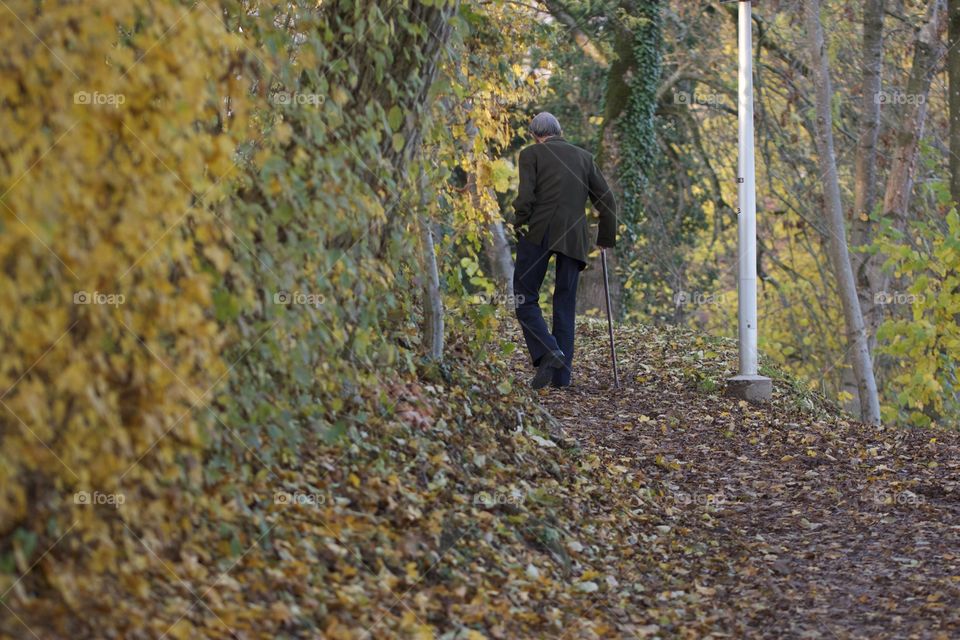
point(528, 275)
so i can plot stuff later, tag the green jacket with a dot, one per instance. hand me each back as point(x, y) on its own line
point(556, 178)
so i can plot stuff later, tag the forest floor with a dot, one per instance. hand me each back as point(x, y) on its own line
point(462, 506)
point(821, 527)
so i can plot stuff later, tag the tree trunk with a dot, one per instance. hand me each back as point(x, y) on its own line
point(501, 261)
point(432, 301)
point(837, 243)
point(590, 293)
point(927, 55)
point(865, 181)
point(953, 73)
point(628, 139)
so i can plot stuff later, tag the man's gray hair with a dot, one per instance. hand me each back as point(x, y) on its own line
point(544, 125)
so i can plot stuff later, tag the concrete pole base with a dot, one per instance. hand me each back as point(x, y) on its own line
point(750, 388)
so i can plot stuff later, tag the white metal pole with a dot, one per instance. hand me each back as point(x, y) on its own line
point(749, 385)
point(747, 201)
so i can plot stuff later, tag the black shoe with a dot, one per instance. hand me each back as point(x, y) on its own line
point(544, 374)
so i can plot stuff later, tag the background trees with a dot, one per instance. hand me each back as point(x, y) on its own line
point(888, 65)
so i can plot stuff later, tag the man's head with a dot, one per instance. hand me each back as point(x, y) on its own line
point(544, 125)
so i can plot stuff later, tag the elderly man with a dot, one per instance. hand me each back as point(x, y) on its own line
point(556, 178)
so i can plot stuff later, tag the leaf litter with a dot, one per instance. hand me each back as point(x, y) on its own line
point(469, 508)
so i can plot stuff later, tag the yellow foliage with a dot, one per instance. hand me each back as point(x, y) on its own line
point(115, 140)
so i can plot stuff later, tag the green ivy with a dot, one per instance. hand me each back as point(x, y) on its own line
point(637, 127)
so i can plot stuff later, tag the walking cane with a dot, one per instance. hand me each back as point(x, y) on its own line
point(606, 291)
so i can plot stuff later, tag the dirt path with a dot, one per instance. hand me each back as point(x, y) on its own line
point(807, 525)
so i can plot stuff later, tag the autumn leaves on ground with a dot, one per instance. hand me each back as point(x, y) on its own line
point(471, 508)
point(260, 379)
point(779, 521)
